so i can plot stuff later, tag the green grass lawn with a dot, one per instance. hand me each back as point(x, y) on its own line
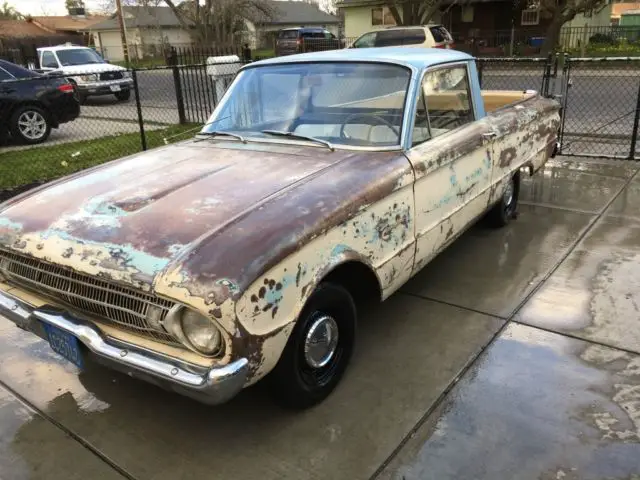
point(47, 162)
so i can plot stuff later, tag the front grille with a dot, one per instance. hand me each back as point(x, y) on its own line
point(111, 76)
point(121, 307)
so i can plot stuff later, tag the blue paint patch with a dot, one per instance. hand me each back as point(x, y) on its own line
point(453, 179)
point(273, 295)
point(477, 173)
point(135, 259)
point(5, 222)
point(140, 261)
point(340, 249)
point(225, 282)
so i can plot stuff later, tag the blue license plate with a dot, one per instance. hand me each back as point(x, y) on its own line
point(64, 344)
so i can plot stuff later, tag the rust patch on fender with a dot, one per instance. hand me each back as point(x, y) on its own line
point(507, 156)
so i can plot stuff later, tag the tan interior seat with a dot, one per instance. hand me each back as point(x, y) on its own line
point(495, 99)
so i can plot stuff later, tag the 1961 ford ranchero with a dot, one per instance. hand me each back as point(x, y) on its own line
point(320, 180)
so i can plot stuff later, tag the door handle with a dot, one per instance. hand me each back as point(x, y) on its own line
point(489, 135)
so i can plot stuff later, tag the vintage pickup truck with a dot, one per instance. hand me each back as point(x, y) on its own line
point(321, 181)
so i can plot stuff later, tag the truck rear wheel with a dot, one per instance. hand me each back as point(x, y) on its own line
point(506, 209)
point(318, 351)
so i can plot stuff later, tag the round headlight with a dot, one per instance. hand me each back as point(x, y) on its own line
point(201, 332)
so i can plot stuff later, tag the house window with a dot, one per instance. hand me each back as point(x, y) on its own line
point(467, 14)
point(382, 16)
point(530, 16)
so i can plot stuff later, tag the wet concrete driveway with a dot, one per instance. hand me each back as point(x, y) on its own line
point(515, 354)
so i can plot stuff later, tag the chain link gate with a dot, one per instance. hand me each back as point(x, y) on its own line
point(600, 99)
point(601, 107)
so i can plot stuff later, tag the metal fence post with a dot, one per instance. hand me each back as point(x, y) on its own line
point(136, 91)
point(177, 82)
point(480, 65)
point(636, 124)
point(546, 76)
point(566, 83)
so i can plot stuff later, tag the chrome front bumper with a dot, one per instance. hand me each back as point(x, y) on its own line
point(211, 386)
point(105, 85)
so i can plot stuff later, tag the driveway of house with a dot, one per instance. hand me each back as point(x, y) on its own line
point(514, 355)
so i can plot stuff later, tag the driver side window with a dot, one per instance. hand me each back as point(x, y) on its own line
point(49, 60)
point(444, 103)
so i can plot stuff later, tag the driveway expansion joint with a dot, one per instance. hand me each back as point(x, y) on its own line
point(68, 432)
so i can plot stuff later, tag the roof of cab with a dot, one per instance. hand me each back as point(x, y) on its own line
point(64, 46)
point(415, 57)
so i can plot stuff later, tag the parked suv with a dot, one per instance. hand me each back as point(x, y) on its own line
point(306, 39)
point(426, 36)
point(89, 73)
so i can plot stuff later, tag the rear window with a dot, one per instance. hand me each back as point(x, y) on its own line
point(315, 34)
point(4, 75)
point(18, 71)
point(288, 34)
point(392, 38)
point(440, 34)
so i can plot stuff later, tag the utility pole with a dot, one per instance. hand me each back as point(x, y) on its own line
point(123, 33)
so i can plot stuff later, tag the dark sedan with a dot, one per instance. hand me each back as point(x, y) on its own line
point(32, 104)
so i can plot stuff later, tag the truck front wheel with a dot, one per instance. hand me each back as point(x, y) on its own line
point(318, 351)
point(123, 96)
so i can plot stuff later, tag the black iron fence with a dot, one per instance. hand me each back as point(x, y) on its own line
point(600, 99)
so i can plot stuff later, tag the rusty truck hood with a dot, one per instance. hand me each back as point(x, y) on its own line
point(129, 219)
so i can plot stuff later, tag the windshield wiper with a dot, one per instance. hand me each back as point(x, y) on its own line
point(221, 133)
point(280, 133)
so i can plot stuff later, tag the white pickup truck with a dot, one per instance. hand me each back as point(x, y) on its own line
point(86, 70)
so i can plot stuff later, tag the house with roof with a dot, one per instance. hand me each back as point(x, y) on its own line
point(467, 19)
point(67, 24)
point(150, 30)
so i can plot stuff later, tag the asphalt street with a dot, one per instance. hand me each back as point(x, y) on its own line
point(599, 117)
point(515, 354)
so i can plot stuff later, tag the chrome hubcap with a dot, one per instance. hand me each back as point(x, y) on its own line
point(507, 196)
point(32, 125)
point(321, 342)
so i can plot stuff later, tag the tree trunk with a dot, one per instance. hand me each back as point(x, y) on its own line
point(553, 31)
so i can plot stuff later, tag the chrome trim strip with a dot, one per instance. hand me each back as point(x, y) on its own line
point(212, 386)
point(126, 82)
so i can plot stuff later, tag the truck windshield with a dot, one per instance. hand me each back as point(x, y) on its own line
point(78, 56)
point(344, 103)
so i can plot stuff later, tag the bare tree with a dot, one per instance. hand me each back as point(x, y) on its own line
point(218, 21)
point(413, 12)
point(561, 12)
point(7, 12)
point(104, 7)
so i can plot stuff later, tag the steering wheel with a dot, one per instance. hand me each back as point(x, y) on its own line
point(378, 119)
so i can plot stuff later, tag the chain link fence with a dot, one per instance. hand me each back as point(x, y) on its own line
point(601, 99)
point(86, 120)
point(150, 107)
